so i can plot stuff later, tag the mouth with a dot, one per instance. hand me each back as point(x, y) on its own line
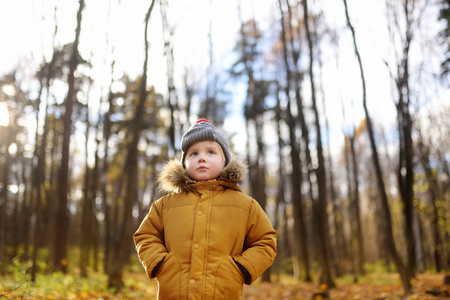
point(202, 168)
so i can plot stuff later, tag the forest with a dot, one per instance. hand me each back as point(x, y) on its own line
point(341, 111)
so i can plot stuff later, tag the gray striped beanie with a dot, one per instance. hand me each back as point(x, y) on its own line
point(201, 131)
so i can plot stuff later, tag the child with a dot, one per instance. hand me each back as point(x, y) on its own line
point(207, 238)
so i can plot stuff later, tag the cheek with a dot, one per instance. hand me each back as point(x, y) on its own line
point(222, 159)
point(221, 164)
point(188, 166)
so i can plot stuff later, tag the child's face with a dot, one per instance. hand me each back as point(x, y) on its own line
point(204, 160)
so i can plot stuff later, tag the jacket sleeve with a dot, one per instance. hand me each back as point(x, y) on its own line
point(260, 245)
point(149, 239)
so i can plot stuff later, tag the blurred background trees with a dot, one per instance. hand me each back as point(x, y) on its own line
point(344, 185)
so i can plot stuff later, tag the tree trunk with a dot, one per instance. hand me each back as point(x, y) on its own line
point(280, 196)
point(189, 93)
point(26, 212)
point(300, 233)
point(60, 258)
point(405, 172)
point(247, 105)
point(95, 241)
point(444, 189)
point(350, 191)
point(357, 211)
point(254, 114)
point(122, 248)
point(38, 186)
point(339, 244)
point(4, 190)
point(38, 179)
point(405, 177)
point(259, 187)
point(389, 237)
point(208, 108)
point(51, 191)
point(324, 235)
point(107, 230)
point(432, 190)
point(86, 209)
point(172, 100)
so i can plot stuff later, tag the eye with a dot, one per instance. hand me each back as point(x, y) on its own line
point(193, 153)
point(211, 152)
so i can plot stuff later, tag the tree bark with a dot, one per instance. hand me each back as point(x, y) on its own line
point(324, 235)
point(357, 210)
point(389, 236)
point(339, 248)
point(39, 168)
point(259, 187)
point(4, 190)
point(405, 171)
point(86, 208)
point(432, 191)
point(172, 100)
point(350, 191)
point(122, 248)
point(301, 253)
point(60, 258)
point(107, 230)
point(95, 237)
point(280, 196)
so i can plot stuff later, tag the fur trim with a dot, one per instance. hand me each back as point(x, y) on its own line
point(235, 171)
point(174, 177)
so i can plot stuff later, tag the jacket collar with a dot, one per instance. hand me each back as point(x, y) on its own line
point(174, 177)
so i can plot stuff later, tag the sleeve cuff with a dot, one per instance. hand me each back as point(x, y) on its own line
point(247, 277)
point(156, 268)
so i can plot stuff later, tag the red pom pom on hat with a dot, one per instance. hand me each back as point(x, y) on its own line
point(202, 120)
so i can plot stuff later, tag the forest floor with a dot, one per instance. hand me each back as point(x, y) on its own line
point(137, 286)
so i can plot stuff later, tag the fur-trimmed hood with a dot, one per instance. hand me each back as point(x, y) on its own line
point(174, 177)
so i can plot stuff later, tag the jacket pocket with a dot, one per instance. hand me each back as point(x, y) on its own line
point(169, 278)
point(229, 280)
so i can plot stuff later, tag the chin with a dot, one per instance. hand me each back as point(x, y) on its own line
point(203, 177)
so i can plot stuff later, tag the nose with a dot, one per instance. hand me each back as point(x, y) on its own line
point(201, 158)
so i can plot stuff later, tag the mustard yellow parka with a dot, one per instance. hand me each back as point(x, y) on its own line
point(196, 236)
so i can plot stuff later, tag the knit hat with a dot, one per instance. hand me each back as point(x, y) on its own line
point(201, 131)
